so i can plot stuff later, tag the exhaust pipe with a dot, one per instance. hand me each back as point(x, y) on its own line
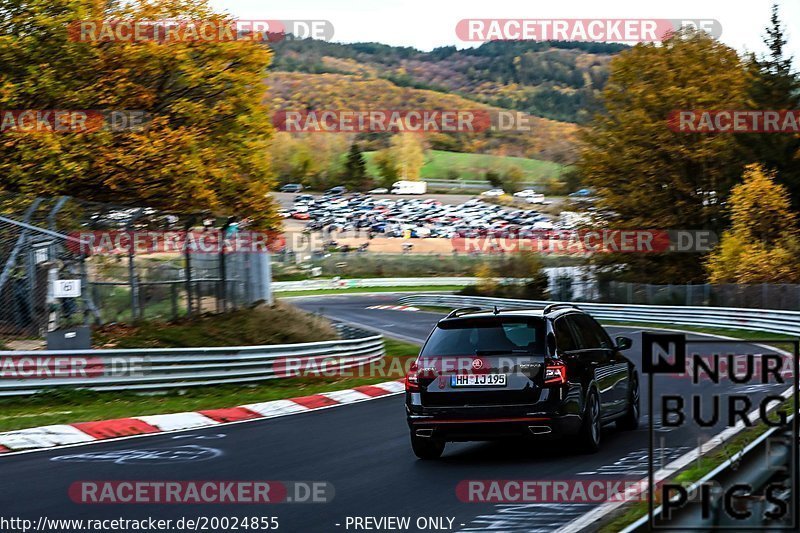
point(427, 433)
point(540, 430)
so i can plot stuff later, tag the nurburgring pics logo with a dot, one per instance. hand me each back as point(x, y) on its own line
point(721, 398)
point(734, 121)
point(413, 121)
point(594, 30)
point(165, 31)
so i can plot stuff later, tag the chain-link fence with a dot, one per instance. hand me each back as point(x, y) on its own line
point(131, 263)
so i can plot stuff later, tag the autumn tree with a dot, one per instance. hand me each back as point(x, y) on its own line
point(311, 159)
point(513, 179)
point(762, 244)
point(402, 160)
point(645, 174)
point(205, 147)
point(408, 153)
point(387, 168)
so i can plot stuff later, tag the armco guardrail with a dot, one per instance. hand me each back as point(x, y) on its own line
point(27, 372)
point(319, 284)
point(773, 321)
point(473, 184)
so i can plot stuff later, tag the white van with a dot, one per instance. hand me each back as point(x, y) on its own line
point(409, 187)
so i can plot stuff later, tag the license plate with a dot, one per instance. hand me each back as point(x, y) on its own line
point(478, 380)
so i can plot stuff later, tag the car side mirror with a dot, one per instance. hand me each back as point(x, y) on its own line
point(623, 343)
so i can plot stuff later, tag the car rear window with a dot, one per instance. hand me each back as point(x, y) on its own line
point(466, 336)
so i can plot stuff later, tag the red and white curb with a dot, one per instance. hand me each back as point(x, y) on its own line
point(86, 432)
point(394, 307)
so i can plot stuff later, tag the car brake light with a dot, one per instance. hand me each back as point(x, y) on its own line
point(412, 378)
point(555, 375)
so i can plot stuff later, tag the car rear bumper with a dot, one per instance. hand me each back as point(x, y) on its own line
point(469, 428)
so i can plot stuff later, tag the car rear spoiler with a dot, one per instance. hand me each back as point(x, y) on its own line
point(455, 313)
point(550, 307)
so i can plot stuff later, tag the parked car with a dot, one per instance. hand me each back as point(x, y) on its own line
point(582, 193)
point(534, 199)
point(493, 193)
point(292, 187)
point(552, 373)
point(379, 190)
point(336, 191)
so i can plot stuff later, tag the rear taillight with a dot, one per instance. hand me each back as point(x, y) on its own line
point(412, 378)
point(555, 375)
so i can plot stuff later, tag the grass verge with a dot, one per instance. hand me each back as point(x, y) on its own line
point(71, 406)
point(279, 324)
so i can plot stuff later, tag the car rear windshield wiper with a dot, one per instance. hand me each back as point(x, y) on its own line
point(501, 352)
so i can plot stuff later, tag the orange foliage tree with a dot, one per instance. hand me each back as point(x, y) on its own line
point(206, 145)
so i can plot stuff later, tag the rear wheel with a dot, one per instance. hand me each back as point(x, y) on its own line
point(589, 434)
point(427, 447)
point(630, 420)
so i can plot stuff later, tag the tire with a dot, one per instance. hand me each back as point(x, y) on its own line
point(630, 420)
point(427, 448)
point(591, 428)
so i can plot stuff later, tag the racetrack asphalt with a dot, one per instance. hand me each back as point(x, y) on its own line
point(362, 449)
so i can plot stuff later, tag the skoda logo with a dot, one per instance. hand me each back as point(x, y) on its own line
point(477, 364)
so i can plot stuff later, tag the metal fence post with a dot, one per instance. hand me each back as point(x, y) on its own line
point(174, 295)
point(188, 278)
point(132, 266)
point(222, 289)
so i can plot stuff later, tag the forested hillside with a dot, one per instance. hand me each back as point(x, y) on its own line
point(556, 80)
point(549, 140)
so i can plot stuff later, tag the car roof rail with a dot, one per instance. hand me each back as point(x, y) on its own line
point(464, 310)
point(552, 307)
point(506, 309)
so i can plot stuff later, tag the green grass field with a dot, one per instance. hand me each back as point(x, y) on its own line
point(441, 165)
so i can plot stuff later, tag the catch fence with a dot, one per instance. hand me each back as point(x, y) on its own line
point(43, 245)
